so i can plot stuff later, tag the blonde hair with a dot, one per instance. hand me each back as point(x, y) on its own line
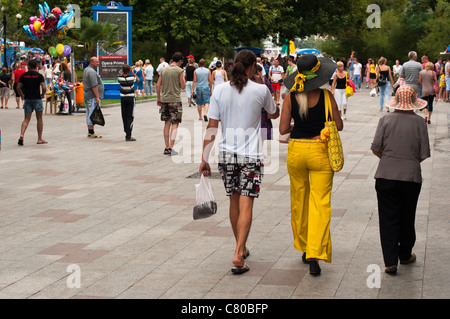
point(429, 66)
point(302, 100)
point(382, 60)
point(339, 63)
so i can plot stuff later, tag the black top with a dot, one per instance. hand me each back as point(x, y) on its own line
point(314, 121)
point(341, 83)
point(31, 82)
point(190, 73)
point(4, 77)
point(67, 76)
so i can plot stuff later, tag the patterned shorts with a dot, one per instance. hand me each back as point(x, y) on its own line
point(171, 112)
point(241, 175)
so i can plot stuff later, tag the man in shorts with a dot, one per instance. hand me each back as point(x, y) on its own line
point(5, 82)
point(168, 89)
point(276, 76)
point(93, 92)
point(31, 88)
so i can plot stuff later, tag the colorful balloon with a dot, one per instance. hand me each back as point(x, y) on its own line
point(67, 50)
point(52, 51)
point(65, 20)
point(37, 26)
point(41, 10)
point(60, 48)
point(46, 8)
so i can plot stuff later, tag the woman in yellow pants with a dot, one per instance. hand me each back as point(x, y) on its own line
point(308, 166)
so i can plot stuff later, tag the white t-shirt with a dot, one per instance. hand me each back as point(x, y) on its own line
point(397, 69)
point(161, 66)
point(447, 69)
point(276, 73)
point(357, 69)
point(240, 116)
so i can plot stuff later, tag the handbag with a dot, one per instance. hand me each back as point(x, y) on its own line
point(97, 116)
point(348, 87)
point(334, 145)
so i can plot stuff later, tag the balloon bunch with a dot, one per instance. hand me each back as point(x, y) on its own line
point(60, 86)
point(60, 49)
point(50, 22)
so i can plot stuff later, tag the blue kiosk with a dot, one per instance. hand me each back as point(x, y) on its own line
point(112, 60)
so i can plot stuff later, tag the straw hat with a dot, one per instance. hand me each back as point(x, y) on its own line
point(312, 72)
point(406, 100)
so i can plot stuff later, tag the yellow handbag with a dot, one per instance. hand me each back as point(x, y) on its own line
point(334, 145)
point(348, 88)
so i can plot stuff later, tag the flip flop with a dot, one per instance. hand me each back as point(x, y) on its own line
point(20, 141)
point(42, 142)
point(247, 253)
point(240, 270)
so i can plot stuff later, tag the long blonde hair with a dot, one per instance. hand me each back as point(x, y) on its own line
point(302, 100)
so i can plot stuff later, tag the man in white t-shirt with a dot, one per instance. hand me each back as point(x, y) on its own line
point(238, 107)
point(357, 67)
point(276, 76)
point(162, 64)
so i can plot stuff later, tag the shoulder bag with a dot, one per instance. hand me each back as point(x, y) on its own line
point(348, 87)
point(333, 144)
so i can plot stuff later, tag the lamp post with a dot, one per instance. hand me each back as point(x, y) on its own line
point(18, 17)
point(4, 35)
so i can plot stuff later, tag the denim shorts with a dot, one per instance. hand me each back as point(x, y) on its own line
point(90, 107)
point(202, 95)
point(33, 105)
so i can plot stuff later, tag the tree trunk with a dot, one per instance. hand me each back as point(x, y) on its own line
point(174, 45)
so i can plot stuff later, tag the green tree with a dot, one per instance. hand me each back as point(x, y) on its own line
point(220, 23)
point(436, 31)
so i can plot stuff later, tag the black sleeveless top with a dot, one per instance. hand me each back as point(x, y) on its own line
point(341, 83)
point(314, 121)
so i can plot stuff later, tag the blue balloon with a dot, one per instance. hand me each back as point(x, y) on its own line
point(27, 30)
point(41, 10)
point(46, 8)
point(64, 21)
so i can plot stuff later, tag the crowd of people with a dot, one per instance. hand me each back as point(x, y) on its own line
point(248, 99)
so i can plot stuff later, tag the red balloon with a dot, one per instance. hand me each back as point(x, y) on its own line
point(57, 12)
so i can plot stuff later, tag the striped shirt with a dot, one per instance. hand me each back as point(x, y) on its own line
point(410, 71)
point(126, 85)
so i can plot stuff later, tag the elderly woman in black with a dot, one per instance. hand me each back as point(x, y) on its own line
point(401, 142)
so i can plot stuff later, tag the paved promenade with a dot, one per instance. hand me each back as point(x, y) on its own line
point(105, 218)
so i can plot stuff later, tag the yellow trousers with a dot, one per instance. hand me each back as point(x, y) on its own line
point(311, 180)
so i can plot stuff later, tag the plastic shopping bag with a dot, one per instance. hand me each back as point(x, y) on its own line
point(373, 92)
point(206, 205)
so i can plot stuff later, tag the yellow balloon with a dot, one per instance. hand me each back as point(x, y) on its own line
point(60, 48)
point(37, 26)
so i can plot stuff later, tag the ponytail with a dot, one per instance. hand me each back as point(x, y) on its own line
point(244, 59)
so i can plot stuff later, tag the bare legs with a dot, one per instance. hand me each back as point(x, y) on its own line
point(241, 208)
point(170, 133)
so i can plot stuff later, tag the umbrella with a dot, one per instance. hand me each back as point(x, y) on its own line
point(37, 51)
point(307, 51)
point(254, 49)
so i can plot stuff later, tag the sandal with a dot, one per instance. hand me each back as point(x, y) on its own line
point(167, 151)
point(20, 141)
point(42, 142)
point(240, 270)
